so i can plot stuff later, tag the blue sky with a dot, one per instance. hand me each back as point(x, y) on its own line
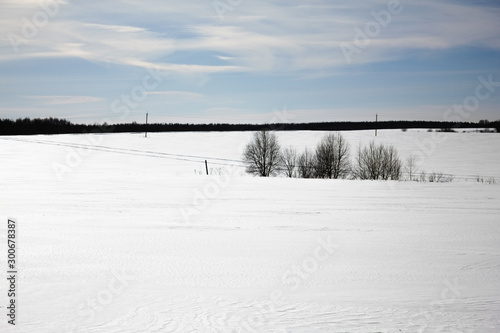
point(243, 61)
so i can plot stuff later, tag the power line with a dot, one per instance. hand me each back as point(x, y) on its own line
point(213, 160)
point(147, 153)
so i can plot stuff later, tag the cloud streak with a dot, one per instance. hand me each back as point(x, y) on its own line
point(258, 36)
point(177, 97)
point(62, 100)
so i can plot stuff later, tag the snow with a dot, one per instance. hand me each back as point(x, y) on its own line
point(128, 236)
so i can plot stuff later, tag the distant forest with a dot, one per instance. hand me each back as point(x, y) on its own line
point(27, 126)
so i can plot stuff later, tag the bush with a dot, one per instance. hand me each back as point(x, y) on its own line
point(490, 180)
point(439, 177)
point(411, 167)
point(332, 157)
point(423, 177)
point(447, 130)
point(306, 164)
point(378, 162)
point(289, 161)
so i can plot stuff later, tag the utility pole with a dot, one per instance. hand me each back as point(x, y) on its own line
point(376, 123)
point(146, 133)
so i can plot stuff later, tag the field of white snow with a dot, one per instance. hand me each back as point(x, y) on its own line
point(121, 233)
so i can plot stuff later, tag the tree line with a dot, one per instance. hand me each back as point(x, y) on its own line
point(331, 159)
point(28, 126)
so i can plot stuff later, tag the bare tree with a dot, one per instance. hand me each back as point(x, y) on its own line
point(289, 159)
point(392, 167)
point(262, 154)
point(368, 162)
point(342, 165)
point(411, 166)
point(306, 164)
point(423, 177)
point(378, 162)
point(332, 157)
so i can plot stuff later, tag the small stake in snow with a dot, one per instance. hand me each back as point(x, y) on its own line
point(146, 133)
point(206, 166)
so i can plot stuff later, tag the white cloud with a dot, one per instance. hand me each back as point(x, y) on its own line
point(177, 97)
point(183, 68)
point(31, 4)
point(271, 36)
point(60, 100)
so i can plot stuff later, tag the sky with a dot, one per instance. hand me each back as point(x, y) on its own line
point(242, 61)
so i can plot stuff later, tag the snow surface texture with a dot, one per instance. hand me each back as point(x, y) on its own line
point(127, 236)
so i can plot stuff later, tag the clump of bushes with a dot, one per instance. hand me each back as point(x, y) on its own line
point(486, 180)
point(378, 162)
point(447, 130)
point(331, 159)
point(439, 177)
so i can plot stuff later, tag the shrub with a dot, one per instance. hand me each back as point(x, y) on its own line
point(306, 164)
point(289, 161)
point(423, 177)
point(439, 177)
point(411, 167)
point(447, 130)
point(378, 162)
point(332, 157)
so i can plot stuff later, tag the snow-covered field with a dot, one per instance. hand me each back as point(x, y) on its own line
point(121, 233)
